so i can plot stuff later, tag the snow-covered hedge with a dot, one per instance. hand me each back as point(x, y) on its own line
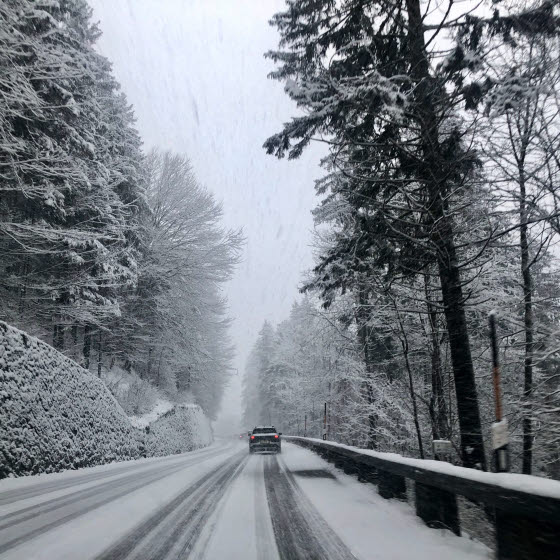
point(55, 415)
point(183, 428)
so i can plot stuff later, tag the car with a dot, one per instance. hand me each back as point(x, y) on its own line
point(265, 439)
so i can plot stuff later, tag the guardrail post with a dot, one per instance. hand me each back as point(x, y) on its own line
point(367, 474)
point(391, 485)
point(339, 462)
point(349, 467)
point(437, 507)
point(523, 538)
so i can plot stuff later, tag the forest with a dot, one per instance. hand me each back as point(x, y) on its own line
point(115, 255)
point(438, 204)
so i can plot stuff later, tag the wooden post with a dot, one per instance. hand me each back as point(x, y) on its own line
point(523, 538)
point(391, 485)
point(349, 467)
point(325, 423)
point(437, 508)
point(368, 474)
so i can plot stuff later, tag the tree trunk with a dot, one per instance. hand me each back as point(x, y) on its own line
point(361, 319)
point(404, 344)
point(74, 334)
point(149, 365)
point(159, 365)
point(87, 345)
point(472, 447)
point(58, 337)
point(99, 353)
point(23, 288)
point(528, 324)
point(438, 406)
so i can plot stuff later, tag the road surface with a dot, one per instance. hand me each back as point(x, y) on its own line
point(215, 503)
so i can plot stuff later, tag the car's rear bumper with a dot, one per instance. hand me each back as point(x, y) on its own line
point(265, 447)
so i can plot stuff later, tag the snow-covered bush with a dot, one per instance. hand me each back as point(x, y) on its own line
point(137, 396)
point(182, 428)
point(55, 415)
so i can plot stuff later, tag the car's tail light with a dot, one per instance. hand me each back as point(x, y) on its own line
point(252, 437)
point(275, 436)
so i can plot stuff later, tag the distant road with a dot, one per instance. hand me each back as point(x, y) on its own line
point(215, 503)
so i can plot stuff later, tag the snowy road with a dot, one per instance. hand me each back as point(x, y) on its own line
point(216, 503)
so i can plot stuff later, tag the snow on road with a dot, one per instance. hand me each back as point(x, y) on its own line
point(374, 528)
point(216, 503)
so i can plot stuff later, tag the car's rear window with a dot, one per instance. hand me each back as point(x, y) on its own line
point(264, 431)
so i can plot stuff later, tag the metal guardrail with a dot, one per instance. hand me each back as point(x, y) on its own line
point(525, 510)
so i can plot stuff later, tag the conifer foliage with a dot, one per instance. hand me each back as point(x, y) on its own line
point(85, 256)
point(399, 92)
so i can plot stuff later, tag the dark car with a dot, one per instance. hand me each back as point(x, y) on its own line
point(265, 439)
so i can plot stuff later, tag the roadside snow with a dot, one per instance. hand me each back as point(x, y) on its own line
point(373, 528)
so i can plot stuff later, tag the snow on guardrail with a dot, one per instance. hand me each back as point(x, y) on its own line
point(508, 481)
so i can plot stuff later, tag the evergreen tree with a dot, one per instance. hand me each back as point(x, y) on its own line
point(364, 72)
point(70, 161)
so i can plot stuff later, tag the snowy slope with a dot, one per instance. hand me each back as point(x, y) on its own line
point(55, 415)
point(182, 428)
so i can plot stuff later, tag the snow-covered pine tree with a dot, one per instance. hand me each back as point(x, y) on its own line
point(65, 216)
point(365, 74)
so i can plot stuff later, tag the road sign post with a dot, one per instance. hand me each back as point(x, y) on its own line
point(442, 450)
point(325, 423)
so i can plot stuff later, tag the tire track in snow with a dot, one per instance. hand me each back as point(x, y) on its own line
point(8, 497)
point(200, 550)
point(27, 523)
point(172, 531)
point(29, 512)
point(299, 529)
point(266, 543)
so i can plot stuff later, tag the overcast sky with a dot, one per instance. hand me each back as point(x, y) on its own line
point(195, 73)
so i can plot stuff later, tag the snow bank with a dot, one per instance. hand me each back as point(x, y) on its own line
point(55, 415)
point(183, 428)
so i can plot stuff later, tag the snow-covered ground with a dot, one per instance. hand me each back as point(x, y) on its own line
point(214, 503)
point(161, 406)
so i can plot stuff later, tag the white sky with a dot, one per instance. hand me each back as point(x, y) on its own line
point(195, 73)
